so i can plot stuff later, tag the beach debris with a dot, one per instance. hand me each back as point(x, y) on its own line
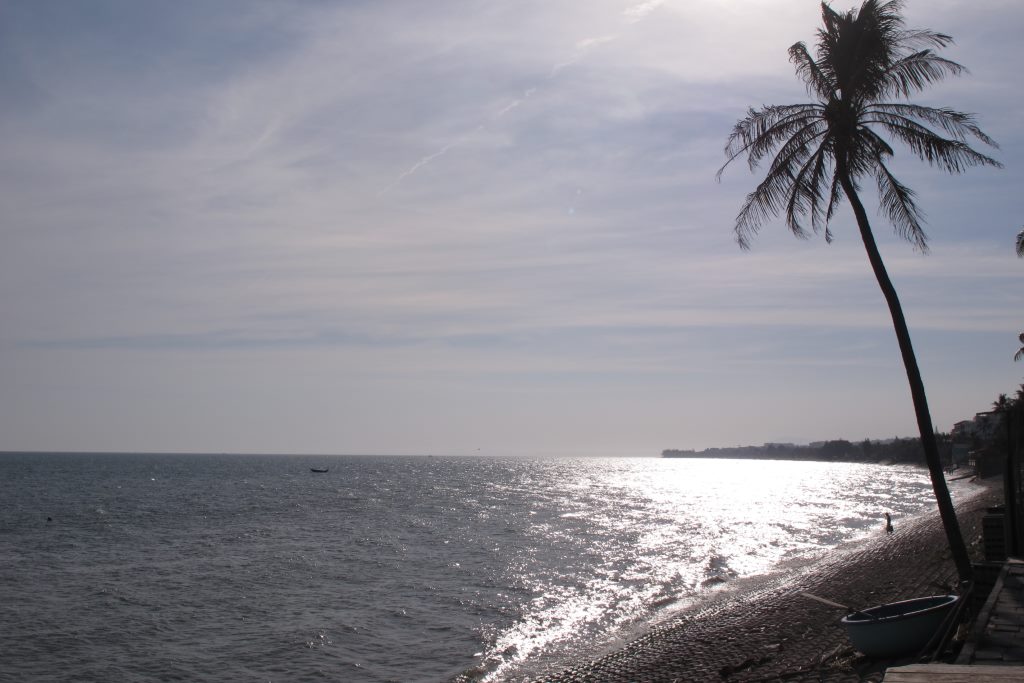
point(748, 663)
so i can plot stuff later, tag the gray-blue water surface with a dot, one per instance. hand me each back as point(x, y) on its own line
point(254, 568)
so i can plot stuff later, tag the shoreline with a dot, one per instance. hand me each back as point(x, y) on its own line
point(767, 631)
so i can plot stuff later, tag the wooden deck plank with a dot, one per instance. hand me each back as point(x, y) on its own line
point(954, 673)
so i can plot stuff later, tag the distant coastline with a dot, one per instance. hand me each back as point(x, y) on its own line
point(904, 451)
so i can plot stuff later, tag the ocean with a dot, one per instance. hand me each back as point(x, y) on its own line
point(146, 567)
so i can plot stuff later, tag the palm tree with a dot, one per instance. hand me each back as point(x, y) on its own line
point(1020, 252)
point(865, 66)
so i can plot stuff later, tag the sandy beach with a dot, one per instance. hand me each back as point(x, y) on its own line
point(773, 633)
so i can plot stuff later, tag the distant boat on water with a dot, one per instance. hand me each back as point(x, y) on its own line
point(319, 469)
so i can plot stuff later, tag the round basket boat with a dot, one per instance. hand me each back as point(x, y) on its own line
point(898, 628)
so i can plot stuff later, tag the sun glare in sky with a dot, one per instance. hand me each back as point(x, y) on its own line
point(439, 227)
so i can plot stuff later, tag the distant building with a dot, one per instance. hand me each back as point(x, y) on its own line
point(963, 431)
point(984, 427)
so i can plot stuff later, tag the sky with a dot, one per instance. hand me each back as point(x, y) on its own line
point(467, 227)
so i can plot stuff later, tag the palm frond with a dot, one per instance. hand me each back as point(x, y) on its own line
point(897, 201)
point(924, 38)
point(952, 155)
point(784, 185)
point(833, 203)
point(1020, 250)
point(758, 207)
point(960, 125)
point(817, 81)
point(805, 196)
point(763, 130)
point(819, 179)
point(770, 196)
point(868, 149)
point(914, 72)
point(796, 129)
point(827, 44)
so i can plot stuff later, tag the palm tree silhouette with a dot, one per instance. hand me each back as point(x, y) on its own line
point(1020, 252)
point(865, 63)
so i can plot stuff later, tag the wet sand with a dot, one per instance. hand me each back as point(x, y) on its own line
point(773, 633)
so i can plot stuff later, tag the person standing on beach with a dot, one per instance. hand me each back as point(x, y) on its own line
point(888, 523)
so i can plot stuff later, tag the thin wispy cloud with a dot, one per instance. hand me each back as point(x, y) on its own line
point(581, 48)
point(638, 12)
point(515, 200)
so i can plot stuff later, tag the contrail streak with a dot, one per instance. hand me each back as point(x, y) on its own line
point(633, 14)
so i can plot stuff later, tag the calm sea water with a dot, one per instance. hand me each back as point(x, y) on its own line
point(253, 568)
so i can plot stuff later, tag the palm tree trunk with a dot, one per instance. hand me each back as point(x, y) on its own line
point(924, 420)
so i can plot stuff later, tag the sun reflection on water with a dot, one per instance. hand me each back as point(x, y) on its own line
point(611, 542)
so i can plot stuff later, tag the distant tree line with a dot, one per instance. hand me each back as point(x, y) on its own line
point(986, 431)
point(897, 450)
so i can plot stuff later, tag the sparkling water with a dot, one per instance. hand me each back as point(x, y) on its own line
point(254, 568)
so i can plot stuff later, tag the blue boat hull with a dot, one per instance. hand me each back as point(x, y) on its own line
point(898, 628)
